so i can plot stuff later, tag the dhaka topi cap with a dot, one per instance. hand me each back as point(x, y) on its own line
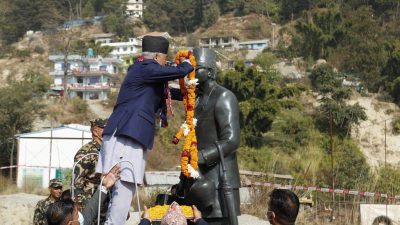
point(155, 44)
point(98, 122)
point(55, 183)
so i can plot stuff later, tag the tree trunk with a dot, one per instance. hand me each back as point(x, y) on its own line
point(70, 10)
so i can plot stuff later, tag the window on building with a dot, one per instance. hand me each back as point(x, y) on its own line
point(226, 40)
point(103, 68)
point(68, 66)
point(125, 48)
point(94, 80)
point(93, 96)
point(132, 49)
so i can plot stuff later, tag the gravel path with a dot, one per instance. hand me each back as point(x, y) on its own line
point(18, 209)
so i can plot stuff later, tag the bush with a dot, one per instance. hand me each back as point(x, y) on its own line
point(79, 106)
point(38, 50)
point(396, 126)
point(22, 53)
point(290, 130)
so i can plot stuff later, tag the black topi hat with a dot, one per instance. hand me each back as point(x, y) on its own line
point(155, 44)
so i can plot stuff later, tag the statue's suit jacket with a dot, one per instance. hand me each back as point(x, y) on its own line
point(217, 113)
point(140, 96)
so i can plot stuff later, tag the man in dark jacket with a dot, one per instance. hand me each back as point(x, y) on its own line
point(130, 129)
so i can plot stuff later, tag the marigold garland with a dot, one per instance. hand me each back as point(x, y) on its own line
point(189, 166)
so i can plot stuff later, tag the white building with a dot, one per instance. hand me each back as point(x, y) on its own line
point(125, 49)
point(88, 77)
point(229, 43)
point(103, 38)
point(134, 8)
point(255, 44)
point(43, 154)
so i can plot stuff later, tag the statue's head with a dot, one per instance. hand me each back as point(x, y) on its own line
point(206, 67)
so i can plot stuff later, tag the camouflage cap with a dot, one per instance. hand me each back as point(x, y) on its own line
point(54, 183)
point(98, 122)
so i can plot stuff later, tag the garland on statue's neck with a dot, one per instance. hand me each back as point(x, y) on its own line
point(189, 166)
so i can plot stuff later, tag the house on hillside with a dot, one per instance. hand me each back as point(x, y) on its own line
point(121, 50)
point(134, 8)
point(47, 154)
point(89, 77)
point(230, 43)
point(103, 38)
point(255, 44)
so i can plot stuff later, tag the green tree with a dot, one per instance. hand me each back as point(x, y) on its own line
point(320, 32)
point(363, 51)
point(333, 104)
point(260, 96)
point(21, 102)
point(210, 14)
point(23, 15)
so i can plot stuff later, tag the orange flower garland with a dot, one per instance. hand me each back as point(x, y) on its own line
point(189, 166)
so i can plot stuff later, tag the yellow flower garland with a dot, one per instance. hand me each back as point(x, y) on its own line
point(189, 152)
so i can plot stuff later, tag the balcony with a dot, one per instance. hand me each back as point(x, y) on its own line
point(58, 73)
point(89, 73)
point(88, 87)
point(60, 57)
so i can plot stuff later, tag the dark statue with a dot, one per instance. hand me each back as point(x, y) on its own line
point(215, 193)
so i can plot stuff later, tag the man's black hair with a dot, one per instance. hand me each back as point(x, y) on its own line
point(66, 195)
point(59, 211)
point(285, 204)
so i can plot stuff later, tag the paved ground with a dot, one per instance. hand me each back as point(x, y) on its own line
point(18, 209)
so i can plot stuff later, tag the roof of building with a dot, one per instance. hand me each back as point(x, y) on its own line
point(55, 130)
point(263, 41)
point(102, 35)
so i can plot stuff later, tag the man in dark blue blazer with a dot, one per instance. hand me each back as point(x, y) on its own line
point(130, 129)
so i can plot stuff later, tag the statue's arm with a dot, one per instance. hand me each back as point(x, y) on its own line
point(227, 119)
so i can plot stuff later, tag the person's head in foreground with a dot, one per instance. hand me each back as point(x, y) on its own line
point(283, 207)
point(155, 47)
point(65, 211)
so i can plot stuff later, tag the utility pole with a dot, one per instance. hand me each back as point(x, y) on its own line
point(331, 154)
point(386, 175)
point(273, 35)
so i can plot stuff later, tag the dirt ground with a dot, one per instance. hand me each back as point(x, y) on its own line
point(370, 134)
point(18, 209)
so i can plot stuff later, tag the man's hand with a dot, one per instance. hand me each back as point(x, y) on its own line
point(146, 214)
point(196, 213)
point(111, 177)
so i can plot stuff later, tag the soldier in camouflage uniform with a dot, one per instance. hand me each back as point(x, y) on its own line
point(86, 180)
point(55, 189)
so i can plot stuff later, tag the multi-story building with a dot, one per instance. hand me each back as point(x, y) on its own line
point(89, 77)
point(135, 8)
